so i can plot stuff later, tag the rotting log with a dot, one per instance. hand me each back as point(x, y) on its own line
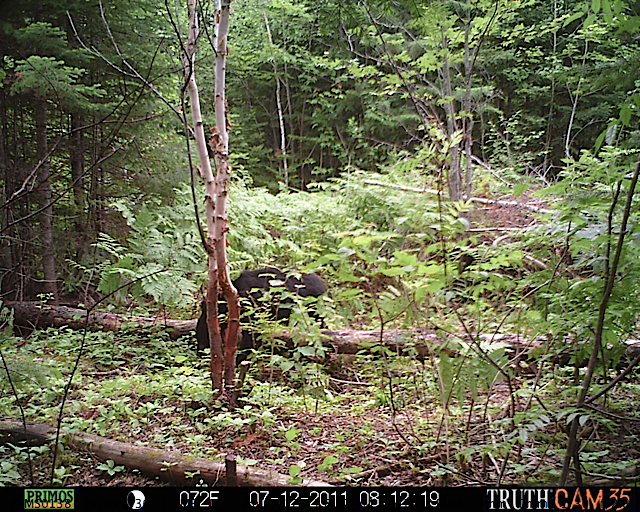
point(351, 341)
point(170, 466)
point(35, 315)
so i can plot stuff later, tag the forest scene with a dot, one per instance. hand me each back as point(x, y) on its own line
point(320, 242)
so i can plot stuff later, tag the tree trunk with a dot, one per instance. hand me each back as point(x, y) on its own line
point(283, 140)
point(96, 201)
point(34, 315)
point(223, 355)
point(467, 122)
point(76, 161)
point(7, 276)
point(575, 99)
point(46, 215)
point(221, 149)
point(454, 177)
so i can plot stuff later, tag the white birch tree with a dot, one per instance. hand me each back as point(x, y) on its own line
point(223, 351)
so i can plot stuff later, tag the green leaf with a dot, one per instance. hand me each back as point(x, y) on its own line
point(357, 469)
point(523, 435)
point(595, 5)
point(394, 271)
point(589, 21)
point(519, 189)
point(617, 6)
point(625, 115)
point(307, 351)
point(362, 240)
point(429, 270)
point(599, 141)
point(294, 470)
point(436, 285)
point(403, 259)
point(327, 463)
point(573, 18)
point(292, 433)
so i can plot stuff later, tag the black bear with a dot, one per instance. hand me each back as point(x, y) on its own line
point(251, 284)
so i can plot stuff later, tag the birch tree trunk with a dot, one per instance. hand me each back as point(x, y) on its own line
point(216, 189)
point(283, 140)
point(221, 150)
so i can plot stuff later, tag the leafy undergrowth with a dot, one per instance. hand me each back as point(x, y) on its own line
point(376, 420)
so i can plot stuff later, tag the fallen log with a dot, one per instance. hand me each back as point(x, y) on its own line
point(481, 200)
point(351, 341)
point(170, 466)
point(35, 315)
point(347, 341)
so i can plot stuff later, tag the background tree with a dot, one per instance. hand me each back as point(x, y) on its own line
point(46, 80)
point(98, 144)
point(561, 72)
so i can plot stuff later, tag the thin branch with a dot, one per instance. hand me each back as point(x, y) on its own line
point(572, 449)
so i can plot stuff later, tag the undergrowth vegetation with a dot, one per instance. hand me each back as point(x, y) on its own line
point(482, 339)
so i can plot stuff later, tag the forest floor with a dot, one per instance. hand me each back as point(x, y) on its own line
point(352, 440)
point(368, 422)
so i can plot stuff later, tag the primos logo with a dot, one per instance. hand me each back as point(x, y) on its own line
point(48, 498)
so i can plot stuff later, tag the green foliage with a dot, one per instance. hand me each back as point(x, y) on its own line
point(47, 77)
point(587, 229)
point(290, 228)
point(161, 256)
point(476, 368)
point(110, 467)
point(331, 121)
point(370, 118)
point(8, 473)
point(559, 70)
point(25, 371)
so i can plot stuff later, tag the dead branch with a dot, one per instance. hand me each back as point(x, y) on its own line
point(481, 200)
